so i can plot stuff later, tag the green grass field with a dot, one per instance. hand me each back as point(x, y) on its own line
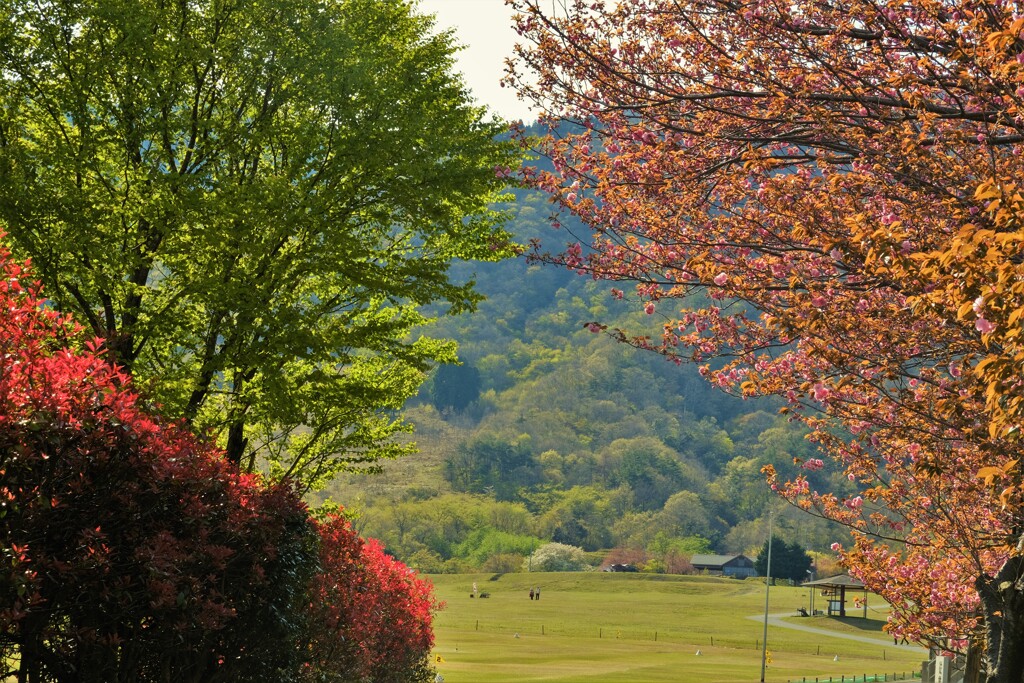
point(645, 628)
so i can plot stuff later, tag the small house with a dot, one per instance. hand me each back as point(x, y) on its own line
point(737, 566)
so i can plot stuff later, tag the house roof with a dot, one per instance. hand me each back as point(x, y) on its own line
point(713, 560)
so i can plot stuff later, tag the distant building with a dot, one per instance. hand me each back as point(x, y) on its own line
point(738, 566)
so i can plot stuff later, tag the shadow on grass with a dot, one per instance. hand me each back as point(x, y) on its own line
point(850, 624)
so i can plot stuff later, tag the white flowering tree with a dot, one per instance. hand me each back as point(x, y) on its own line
point(557, 557)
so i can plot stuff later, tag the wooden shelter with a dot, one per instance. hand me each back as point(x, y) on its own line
point(834, 589)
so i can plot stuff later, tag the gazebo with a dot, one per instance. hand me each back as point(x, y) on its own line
point(834, 588)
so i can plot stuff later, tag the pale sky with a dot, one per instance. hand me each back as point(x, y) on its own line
point(484, 27)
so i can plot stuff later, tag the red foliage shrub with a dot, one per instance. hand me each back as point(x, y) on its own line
point(637, 557)
point(370, 614)
point(130, 550)
point(677, 563)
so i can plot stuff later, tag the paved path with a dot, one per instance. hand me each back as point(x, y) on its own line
point(776, 620)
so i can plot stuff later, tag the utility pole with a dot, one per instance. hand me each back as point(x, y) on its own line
point(811, 577)
point(767, 586)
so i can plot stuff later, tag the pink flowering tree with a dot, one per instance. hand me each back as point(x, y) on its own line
point(823, 198)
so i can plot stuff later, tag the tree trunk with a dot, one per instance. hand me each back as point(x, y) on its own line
point(237, 442)
point(972, 665)
point(1002, 599)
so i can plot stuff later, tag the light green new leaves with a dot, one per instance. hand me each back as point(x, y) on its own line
point(250, 202)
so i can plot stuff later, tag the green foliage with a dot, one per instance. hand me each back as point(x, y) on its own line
point(251, 202)
point(454, 387)
point(437, 525)
point(491, 464)
point(741, 489)
point(582, 515)
point(685, 515)
point(689, 545)
point(426, 562)
point(789, 561)
point(483, 544)
point(648, 468)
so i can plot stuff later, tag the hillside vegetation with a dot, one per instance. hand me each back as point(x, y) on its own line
point(549, 431)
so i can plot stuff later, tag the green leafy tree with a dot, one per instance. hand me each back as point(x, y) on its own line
point(455, 386)
point(491, 463)
point(483, 544)
point(580, 516)
point(709, 443)
point(789, 560)
point(740, 492)
point(251, 202)
point(648, 467)
point(685, 514)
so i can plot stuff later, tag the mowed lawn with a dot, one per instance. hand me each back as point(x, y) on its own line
point(640, 628)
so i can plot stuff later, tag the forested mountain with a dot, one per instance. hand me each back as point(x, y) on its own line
point(549, 431)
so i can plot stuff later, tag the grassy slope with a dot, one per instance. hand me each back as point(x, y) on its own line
point(598, 627)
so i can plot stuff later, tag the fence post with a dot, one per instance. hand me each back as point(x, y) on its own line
point(655, 636)
point(477, 624)
point(542, 629)
point(712, 641)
